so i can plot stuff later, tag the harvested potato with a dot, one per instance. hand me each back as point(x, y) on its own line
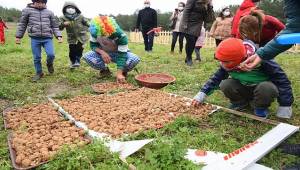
point(33, 144)
point(141, 109)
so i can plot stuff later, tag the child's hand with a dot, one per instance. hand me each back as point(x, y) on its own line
point(18, 41)
point(198, 99)
point(60, 40)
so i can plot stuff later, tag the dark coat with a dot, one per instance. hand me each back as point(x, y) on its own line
point(147, 17)
point(195, 13)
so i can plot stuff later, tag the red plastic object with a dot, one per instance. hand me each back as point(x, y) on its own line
point(154, 80)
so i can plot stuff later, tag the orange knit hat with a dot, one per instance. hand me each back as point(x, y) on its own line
point(231, 49)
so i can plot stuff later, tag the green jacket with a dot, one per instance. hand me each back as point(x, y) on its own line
point(78, 28)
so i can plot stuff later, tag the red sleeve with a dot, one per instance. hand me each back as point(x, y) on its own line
point(274, 23)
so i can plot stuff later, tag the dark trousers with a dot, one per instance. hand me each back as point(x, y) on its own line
point(263, 94)
point(148, 40)
point(190, 46)
point(218, 41)
point(175, 36)
point(197, 51)
point(75, 52)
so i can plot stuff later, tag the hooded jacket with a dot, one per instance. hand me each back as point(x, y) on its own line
point(41, 23)
point(245, 7)
point(79, 25)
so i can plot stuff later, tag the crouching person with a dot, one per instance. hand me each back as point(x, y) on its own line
point(259, 86)
point(109, 44)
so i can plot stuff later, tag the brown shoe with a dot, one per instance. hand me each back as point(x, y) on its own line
point(105, 73)
point(50, 68)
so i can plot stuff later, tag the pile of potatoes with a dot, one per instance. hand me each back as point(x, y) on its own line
point(130, 112)
point(39, 132)
point(111, 86)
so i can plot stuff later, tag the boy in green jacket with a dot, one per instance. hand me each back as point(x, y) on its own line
point(77, 28)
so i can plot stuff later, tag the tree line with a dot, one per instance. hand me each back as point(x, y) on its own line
point(128, 22)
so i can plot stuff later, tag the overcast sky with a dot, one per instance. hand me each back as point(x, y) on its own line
point(91, 8)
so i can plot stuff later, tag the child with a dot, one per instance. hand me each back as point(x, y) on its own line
point(41, 25)
point(106, 32)
point(77, 27)
point(199, 44)
point(273, 47)
point(262, 85)
point(2, 35)
point(259, 28)
point(245, 7)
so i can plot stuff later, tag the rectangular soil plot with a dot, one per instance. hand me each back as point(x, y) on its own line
point(130, 112)
point(37, 134)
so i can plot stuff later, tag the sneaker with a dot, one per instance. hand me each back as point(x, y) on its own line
point(77, 64)
point(261, 112)
point(105, 73)
point(72, 66)
point(50, 68)
point(37, 77)
point(292, 149)
point(239, 106)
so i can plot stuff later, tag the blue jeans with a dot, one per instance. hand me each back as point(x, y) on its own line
point(95, 60)
point(36, 46)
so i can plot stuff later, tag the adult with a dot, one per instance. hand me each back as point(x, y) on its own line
point(175, 23)
point(221, 28)
point(273, 48)
point(109, 43)
point(147, 18)
point(245, 7)
point(259, 28)
point(196, 13)
point(2, 27)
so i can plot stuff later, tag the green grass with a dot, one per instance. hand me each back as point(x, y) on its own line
point(221, 131)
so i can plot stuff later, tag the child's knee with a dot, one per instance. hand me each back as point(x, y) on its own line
point(228, 85)
point(266, 90)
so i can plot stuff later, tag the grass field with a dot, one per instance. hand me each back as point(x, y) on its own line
point(221, 131)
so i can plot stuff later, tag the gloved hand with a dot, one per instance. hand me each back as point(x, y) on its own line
point(199, 99)
point(284, 112)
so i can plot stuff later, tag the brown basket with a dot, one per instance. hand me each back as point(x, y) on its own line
point(154, 80)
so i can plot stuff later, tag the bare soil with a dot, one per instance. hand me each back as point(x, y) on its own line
point(111, 86)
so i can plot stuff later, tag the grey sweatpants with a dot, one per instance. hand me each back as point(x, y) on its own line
point(262, 94)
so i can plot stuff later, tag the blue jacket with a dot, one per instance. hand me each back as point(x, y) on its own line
point(276, 75)
point(273, 48)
